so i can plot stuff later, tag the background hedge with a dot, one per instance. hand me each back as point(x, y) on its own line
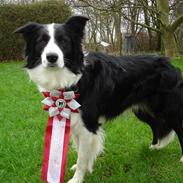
point(13, 16)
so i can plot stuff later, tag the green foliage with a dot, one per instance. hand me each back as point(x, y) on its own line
point(14, 16)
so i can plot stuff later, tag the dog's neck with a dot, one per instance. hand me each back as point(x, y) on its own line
point(48, 79)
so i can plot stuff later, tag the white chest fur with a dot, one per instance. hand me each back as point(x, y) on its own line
point(52, 78)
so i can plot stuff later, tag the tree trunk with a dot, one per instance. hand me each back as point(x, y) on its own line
point(118, 34)
point(169, 43)
point(147, 21)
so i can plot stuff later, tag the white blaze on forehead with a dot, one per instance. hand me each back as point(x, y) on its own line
point(52, 48)
point(51, 31)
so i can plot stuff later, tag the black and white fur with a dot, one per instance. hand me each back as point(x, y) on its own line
point(107, 85)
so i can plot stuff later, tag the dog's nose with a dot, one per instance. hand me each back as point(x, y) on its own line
point(52, 57)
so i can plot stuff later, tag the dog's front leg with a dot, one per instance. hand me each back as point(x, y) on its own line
point(89, 146)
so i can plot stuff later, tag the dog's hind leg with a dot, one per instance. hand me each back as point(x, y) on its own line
point(179, 131)
point(89, 146)
point(162, 133)
point(145, 117)
point(165, 140)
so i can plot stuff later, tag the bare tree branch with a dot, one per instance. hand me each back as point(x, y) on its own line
point(141, 24)
point(176, 23)
point(111, 7)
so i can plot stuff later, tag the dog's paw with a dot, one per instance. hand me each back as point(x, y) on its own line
point(71, 181)
point(73, 168)
point(156, 147)
point(181, 160)
point(74, 180)
point(153, 147)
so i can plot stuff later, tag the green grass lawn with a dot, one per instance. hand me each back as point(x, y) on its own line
point(126, 159)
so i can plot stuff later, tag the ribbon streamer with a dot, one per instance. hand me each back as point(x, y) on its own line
point(59, 105)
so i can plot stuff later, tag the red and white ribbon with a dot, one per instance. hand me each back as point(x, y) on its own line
point(60, 105)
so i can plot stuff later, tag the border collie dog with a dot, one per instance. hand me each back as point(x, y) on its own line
point(108, 85)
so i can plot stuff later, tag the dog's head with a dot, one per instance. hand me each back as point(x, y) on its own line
point(54, 45)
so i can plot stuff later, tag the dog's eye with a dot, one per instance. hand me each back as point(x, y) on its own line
point(43, 39)
point(62, 40)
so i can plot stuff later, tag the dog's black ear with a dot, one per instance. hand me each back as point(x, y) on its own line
point(77, 24)
point(27, 28)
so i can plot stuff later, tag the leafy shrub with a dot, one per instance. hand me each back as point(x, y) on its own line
point(13, 16)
